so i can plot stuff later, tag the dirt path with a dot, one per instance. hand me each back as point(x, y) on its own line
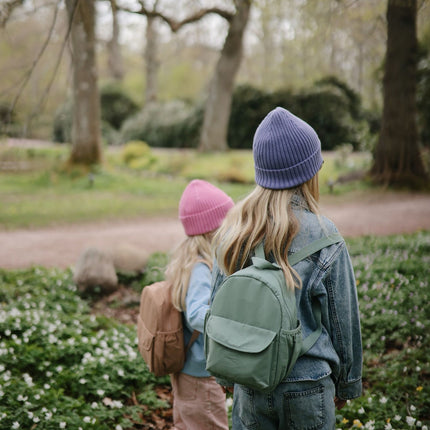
point(382, 214)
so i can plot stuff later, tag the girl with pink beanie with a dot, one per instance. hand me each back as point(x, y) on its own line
point(198, 400)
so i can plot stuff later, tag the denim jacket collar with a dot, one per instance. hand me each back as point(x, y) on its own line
point(297, 200)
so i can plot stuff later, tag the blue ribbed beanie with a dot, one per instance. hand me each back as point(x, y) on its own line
point(287, 151)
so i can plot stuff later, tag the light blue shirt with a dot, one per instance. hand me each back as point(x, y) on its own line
point(197, 304)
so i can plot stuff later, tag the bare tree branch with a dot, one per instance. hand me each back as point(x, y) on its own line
point(176, 25)
point(6, 9)
point(29, 72)
point(45, 94)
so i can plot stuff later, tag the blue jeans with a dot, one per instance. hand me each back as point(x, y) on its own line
point(306, 405)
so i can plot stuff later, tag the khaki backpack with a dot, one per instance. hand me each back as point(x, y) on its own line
point(160, 330)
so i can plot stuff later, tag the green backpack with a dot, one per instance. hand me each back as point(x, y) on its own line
point(252, 334)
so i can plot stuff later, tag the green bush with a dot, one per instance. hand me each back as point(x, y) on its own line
point(248, 108)
point(174, 124)
point(9, 124)
point(137, 155)
point(116, 105)
point(330, 107)
point(62, 125)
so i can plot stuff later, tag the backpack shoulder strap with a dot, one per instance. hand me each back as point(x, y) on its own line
point(300, 255)
point(313, 247)
point(307, 250)
point(193, 338)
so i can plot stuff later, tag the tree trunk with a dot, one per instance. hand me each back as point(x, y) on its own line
point(151, 61)
point(86, 145)
point(6, 9)
point(218, 105)
point(397, 159)
point(115, 63)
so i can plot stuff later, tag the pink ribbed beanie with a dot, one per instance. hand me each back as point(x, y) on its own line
point(203, 207)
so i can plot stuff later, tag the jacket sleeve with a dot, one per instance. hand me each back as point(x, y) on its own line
point(345, 322)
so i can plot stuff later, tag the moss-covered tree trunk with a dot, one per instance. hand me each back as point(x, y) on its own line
point(397, 159)
point(86, 136)
point(218, 106)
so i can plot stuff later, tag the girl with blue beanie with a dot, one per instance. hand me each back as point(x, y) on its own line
point(282, 211)
point(198, 401)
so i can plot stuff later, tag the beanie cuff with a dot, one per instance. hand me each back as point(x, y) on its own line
point(278, 179)
point(204, 222)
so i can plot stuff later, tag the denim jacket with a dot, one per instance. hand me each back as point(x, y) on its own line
point(327, 276)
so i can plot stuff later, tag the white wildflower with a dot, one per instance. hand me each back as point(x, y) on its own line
point(117, 404)
point(410, 421)
point(370, 425)
point(28, 379)
point(229, 402)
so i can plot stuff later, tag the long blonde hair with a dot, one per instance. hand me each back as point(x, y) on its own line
point(263, 215)
point(191, 250)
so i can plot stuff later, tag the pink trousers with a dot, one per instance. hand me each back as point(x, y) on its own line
point(198, 403)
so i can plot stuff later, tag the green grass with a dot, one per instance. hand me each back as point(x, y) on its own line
point(61, 367)
point(38, 189)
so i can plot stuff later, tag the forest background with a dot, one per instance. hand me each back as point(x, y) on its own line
point(64, 363)
point(322, 59)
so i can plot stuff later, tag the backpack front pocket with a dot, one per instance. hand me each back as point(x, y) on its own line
point(168, 352)
point(241, 353)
